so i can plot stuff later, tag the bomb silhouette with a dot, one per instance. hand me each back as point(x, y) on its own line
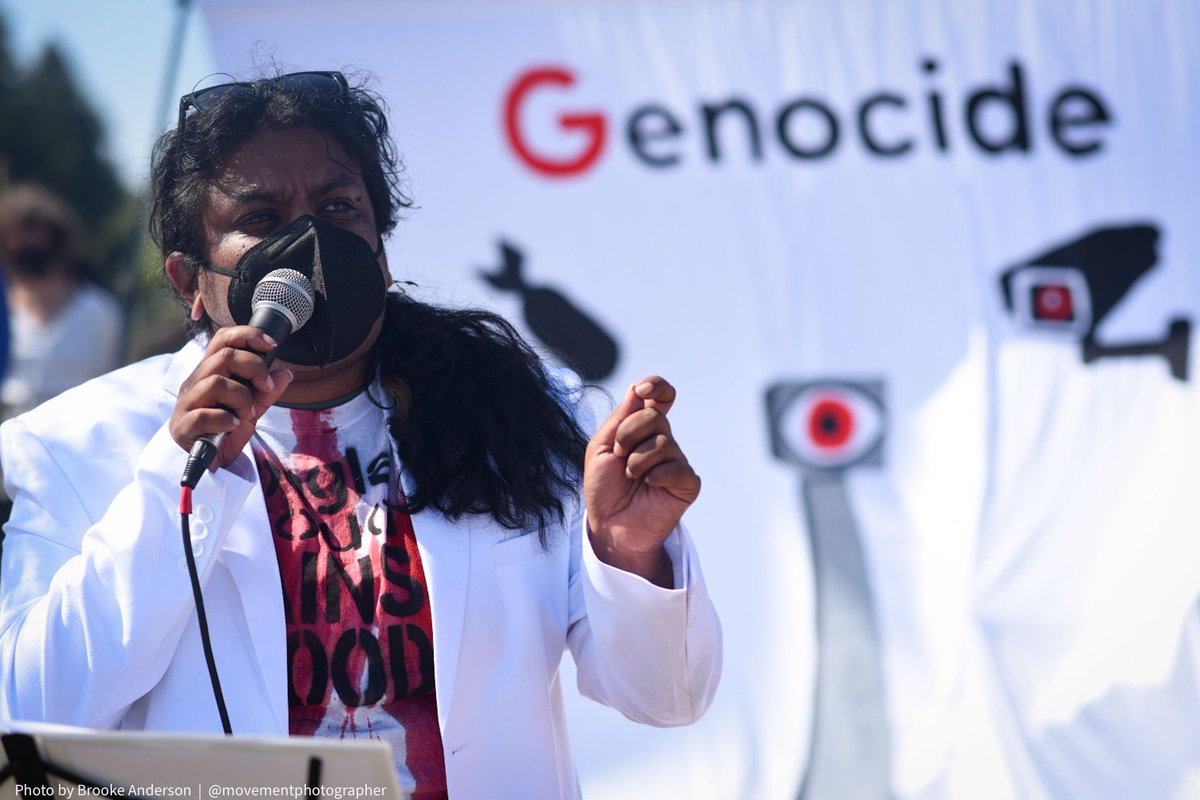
point(574, 337)
point(1074, 286)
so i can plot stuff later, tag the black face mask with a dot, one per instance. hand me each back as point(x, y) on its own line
point(350, 288)
point(32, 262)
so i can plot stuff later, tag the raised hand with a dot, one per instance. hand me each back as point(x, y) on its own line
point(228, 391)
point(637, 482)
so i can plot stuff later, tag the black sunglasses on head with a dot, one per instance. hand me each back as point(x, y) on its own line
point(332, 84)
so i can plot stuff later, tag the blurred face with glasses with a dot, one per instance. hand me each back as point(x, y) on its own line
point(277, 176)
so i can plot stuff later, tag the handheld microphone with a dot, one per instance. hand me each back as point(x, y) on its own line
point(282, 303)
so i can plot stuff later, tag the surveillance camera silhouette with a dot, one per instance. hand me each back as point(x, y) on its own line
point(1073, 287)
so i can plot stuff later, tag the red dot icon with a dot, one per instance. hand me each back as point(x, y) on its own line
point(1053, 302)
point(830, 424)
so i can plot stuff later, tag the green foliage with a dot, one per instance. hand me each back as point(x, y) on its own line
point(50, 134)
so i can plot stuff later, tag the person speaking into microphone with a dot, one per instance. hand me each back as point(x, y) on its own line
point(407, 519)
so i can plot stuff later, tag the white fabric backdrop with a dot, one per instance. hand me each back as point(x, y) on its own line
point(1029, 520)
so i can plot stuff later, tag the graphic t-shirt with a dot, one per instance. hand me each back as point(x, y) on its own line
point(360, 633)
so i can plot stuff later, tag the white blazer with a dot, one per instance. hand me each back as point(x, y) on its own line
point(98, 626)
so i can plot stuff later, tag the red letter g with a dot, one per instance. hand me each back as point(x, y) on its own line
point(592, 124)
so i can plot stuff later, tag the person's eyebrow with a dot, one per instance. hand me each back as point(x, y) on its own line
point(256, 194)
point(252, 194)
point(342, 181)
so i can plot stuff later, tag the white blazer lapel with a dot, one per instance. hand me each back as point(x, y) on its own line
point(445, 549)
point(445, 554)
point(249, 554)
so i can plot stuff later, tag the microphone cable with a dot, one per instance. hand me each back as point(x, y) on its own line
point(185, 511)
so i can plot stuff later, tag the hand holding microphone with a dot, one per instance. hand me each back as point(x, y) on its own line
point(223, 397)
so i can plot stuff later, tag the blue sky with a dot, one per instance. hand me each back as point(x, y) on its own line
point(119, 53)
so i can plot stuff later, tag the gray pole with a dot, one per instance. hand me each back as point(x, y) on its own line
point(126, 283)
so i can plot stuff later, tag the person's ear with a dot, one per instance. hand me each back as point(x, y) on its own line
point(185, 280)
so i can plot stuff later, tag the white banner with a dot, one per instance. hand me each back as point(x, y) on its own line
point(925, 276)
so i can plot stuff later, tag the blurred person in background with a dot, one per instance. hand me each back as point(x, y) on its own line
point(65, 329)
point(62, 328)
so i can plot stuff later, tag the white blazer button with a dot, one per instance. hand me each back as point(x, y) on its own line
point(204, 513)
point(198, 530)
point(197, 549)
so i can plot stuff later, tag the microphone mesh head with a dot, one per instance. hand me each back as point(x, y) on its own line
point(286, 290)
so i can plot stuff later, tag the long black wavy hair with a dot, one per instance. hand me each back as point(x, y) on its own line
point(478, 423)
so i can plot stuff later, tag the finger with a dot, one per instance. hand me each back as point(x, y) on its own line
point(280, 379)
point(638, 427)
point(241, 337)
point(219, 391)
point(241, 433)
point(650, 454)
point(656, 391)
point(606, 434)
point(205, 421)
point(246, 366)
point(677, 477)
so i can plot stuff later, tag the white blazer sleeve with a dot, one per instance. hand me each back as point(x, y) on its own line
point(91, 609)
point(654, 654)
